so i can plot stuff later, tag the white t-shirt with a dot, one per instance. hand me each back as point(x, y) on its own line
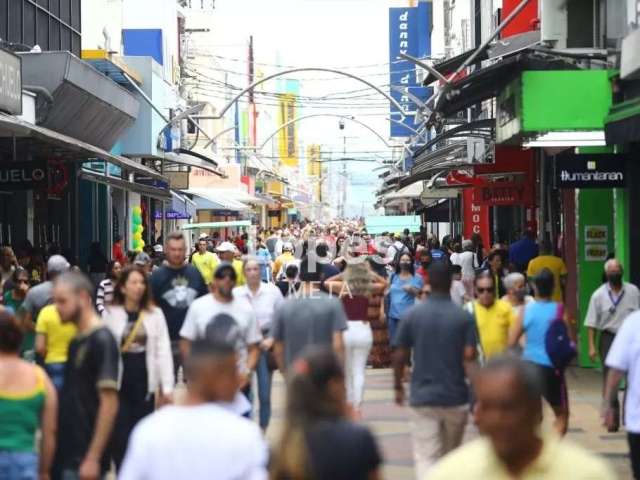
point(468, 264)
point(204, 309)
point(457, 292)
point(625, 355)
point(265, 302)
point(200, 442)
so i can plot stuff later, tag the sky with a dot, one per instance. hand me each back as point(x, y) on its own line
point(348, 35)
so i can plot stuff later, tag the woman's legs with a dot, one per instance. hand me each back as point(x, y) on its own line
point(358, 340)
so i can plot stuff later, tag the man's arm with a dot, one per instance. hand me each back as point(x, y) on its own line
point(591, 322)
point(278, 352)
point(338, 345)
point(515, 332)
point(90, 467)
point(470, 361)
point(185, 348)
point(400, 359)
point(41, 344)
point(253, 354)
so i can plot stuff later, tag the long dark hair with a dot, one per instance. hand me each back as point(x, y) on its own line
point(118, 296)
point(309, 401)
point(110, 266)
point(412, 267)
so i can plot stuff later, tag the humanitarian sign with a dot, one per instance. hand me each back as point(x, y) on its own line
point(591, 171)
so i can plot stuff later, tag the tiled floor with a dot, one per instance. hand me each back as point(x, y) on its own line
point(391, 427)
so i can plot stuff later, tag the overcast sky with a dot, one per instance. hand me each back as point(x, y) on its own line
point(350, 35)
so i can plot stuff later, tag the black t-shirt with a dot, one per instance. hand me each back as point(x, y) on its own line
point(286, 287)
point(174, 290)
point(92, 364)
point(342, 450)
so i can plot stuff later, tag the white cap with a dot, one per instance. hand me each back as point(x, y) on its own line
point(158, 248)
point(226, 247)
point(287, 246)
point(203, 236)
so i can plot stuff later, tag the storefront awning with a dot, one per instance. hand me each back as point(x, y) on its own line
point(215, 199)
point(86, 104)
point(153, 192)
point(406, 193)
point(43, 142)
point(208, 225)
point(193, 159)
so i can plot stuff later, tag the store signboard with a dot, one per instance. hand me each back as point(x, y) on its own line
point(504, 193)
point(171, 215)
point(407, 34)
point(10, 83)
point(476, 217)
point(16, 176)
point(591, 171)
point(596, 233)
point(595, 252)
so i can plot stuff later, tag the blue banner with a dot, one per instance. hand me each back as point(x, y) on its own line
point(409, 33)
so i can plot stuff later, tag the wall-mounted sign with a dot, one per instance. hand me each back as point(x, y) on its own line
point(150, 181)
point(171, 215)
point(504, 193)
point(225, 213)
point(23, 176)
point(591, 171)
point(595, 252)
point(10, 83)
point(476, 217)
point(596, 233)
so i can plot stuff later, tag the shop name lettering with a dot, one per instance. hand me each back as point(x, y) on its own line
point(21, 175)
point(503, 194)
point(10, 82)
point(475, 217)
point(591, 176)
point(405, 79)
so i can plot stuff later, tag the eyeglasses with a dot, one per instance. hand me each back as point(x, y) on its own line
point(485, 290)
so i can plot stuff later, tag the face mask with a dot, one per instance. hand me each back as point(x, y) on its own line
point(426, 264)
point(615, 279)
point(405, 265)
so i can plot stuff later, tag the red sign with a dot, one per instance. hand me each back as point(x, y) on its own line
point(476, 217)
point(504, 193)
point(525, 21)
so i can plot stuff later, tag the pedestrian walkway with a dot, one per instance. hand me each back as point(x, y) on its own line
point(390, 423)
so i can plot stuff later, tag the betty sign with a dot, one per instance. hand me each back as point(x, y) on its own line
point(22, 176)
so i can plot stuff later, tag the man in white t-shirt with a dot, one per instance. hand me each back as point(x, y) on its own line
point(224, 315)
point(624, 357)
point(202, 439)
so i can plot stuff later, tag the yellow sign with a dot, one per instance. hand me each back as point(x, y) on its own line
point(288, 137)
point(274, 187)
point(313, 161)
point(596, 233)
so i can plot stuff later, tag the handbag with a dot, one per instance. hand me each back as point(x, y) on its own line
point(132, 335)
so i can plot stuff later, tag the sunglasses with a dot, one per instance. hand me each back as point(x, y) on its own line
point(486, 290)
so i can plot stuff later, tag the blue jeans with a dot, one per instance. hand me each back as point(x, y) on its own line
point(393, 328)
point(264, 390)
point(56, 374)
point(18, 465)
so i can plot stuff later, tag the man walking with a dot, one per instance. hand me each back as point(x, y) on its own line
point(608, 308)
point(443, 340)
point(175, 286)
point(308, 317)
point(89, 396)
point(227, 253)
point(508, 414)
point(555, 265)
point(523, 251)
point(205, 261)
point(201, 438)
point(265, 299)
point(221, 305)
point(494, 317)
point(624, 358)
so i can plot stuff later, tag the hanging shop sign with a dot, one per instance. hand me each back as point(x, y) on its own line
point(596, 233)
point(408, 35)
point(150, 181)
point(476, 217)
point(171, 215)
point(16, 176)
point(10, 83)
point(504, 193)
point(591, 171)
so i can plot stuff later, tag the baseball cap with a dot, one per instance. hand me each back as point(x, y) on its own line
point(287, 246)
point(58, 264)
point(142, 259)
point(158, 248)
point(203, 236)
point(224, 268)
point(226, 247)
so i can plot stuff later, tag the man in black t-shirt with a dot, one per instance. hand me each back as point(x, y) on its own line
point(89, 397)
point(174, 287)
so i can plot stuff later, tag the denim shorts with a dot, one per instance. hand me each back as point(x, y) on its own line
point(18, 465)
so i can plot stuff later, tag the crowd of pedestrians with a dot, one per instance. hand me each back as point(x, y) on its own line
point(481, 335)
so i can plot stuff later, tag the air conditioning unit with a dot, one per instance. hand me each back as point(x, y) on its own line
point(553, 22)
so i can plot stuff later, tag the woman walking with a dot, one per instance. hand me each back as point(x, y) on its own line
point(358, 286)
point(535, 322)
point(141, 331)
point(318, 441)
point(28, 403)
point(404, 287)
point(104, 293)
point(13, 299)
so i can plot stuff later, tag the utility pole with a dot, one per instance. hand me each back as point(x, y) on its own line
point(344, 178)
point(253, 114)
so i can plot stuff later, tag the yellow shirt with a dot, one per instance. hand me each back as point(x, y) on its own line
point(206, 264)
point(558, 460)
point(557, 267)
point(237, 266)
point(493, 326)
point(282, 260)
point(59, 334)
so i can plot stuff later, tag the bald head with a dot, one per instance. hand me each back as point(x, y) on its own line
point(612, 265)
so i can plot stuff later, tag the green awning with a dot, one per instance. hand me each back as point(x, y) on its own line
point(199, 226)
point(392, 223)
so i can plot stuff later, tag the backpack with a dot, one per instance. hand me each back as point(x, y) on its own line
point(558, 344)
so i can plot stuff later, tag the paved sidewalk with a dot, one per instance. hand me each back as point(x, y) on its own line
point(391, 426)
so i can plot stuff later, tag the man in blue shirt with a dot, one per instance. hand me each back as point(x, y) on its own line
point(522, 251)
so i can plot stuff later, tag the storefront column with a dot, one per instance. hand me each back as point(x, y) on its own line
point(621, 235)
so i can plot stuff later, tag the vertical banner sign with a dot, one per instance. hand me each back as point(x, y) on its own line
point(288, 136)
point(314, 169)
point(476, 217)
point(408, 34)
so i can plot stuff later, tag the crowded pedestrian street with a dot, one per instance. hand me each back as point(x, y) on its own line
point(319, 240)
